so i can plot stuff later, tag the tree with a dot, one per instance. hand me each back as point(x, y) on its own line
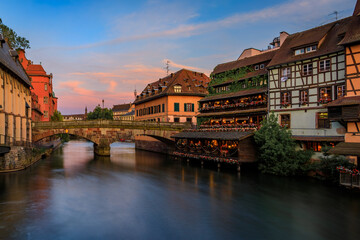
point(57, 117)
point(100, 113)
point(15, 41)
point(277, 150)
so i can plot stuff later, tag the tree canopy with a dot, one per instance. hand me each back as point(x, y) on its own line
point(100, 113)
point(277, 150)
point(16, 42)
point(57, 117)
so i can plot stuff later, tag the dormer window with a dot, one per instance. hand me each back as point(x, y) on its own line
point(177, 88)
point(305, 50)
point(256, 67)
point(262, 66)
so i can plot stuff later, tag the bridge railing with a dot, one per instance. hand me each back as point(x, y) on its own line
point(111, 124)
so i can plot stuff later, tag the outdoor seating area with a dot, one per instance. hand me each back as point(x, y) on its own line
point(250, 102)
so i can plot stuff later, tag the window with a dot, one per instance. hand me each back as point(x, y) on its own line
point(340, 91)
point(176, 119)
point(299, 51)
point(285, 99)
point(46, 114)
point(46, 86)
point(46, 100)
point(262, 66)
point(163, 107)
point(286, 72)
point(322, 120)
point(314, 146)
point(188, 107)
point(176, 107)
point(137, 112)
point(310, 49)
point(307, 69)
point(177, 88)
point(325, 95)
point(188, 120)
point(324, 65)
point(304, 97)
point(285, 120)
point(256, 67)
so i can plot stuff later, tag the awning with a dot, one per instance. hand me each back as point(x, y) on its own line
point(214, 135)
point(319, 138)
point(237, 112)
point(346, 148)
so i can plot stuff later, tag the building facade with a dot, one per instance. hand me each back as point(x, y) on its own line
point(15, 99)
point(173, 98)
point(306, 73)
point(42, 84)
point(120, 110)
point(236, 104)
point(346, 110)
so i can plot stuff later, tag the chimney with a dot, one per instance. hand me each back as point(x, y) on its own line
point(283, 36)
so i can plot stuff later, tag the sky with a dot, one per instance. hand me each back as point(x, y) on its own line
point(106, 49)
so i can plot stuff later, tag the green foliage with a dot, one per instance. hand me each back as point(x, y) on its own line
point(57, 117)
point(16, 42)
point(200, 120)
point(233, 74)
point(100, 113)
point(277, 154)
point(65, 137)
point(326, 167)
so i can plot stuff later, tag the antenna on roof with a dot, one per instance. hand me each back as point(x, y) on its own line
point(335, 13)
point(167, 67)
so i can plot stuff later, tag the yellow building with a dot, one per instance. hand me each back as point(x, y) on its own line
point(173, 98)
point(15, 99)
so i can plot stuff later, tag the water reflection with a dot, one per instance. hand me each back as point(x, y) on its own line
point(142, 195)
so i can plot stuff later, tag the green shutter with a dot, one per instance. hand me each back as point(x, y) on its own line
point(176, 107)
point(192, 107)
point(163, 107)
point(185, 107)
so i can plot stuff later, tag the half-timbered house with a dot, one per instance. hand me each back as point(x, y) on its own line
point(307, 72)
point(236, 104)
point(346, 110)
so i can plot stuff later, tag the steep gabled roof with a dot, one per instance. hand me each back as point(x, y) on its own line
point(13, 65)
point(353, 33)
point(326, 38)
point(35, 69)
point(259, 58)
point(192, 83)
point(121, 107)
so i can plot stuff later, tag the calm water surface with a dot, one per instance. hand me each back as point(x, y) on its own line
point(142, 195)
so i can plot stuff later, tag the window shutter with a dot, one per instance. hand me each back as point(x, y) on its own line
point(192, 107)
point(185, 107)
point(163, 107)
point(176, 107)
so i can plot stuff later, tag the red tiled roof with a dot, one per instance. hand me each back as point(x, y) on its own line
point(354, 100)
point(326, 37)
point(353, 33)
point(35, 69)
point(121, 107)
point(193, 83)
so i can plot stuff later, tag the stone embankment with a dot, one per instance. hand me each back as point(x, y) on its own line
point(20, 158)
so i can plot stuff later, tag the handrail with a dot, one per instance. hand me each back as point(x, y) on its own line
point(110, 124)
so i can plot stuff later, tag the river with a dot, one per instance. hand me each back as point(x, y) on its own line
point(142, 195)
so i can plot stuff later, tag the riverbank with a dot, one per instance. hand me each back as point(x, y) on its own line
point(20, 158)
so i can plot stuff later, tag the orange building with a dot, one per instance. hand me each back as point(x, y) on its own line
point(347, 109)
point(173, 98)
point(42, 87)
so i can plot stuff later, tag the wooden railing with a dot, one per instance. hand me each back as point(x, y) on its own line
point(350, 180)
point(124, 124)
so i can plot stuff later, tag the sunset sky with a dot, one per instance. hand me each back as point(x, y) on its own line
point(104, 49)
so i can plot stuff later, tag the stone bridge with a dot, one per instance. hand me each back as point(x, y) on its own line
point(154, 136)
